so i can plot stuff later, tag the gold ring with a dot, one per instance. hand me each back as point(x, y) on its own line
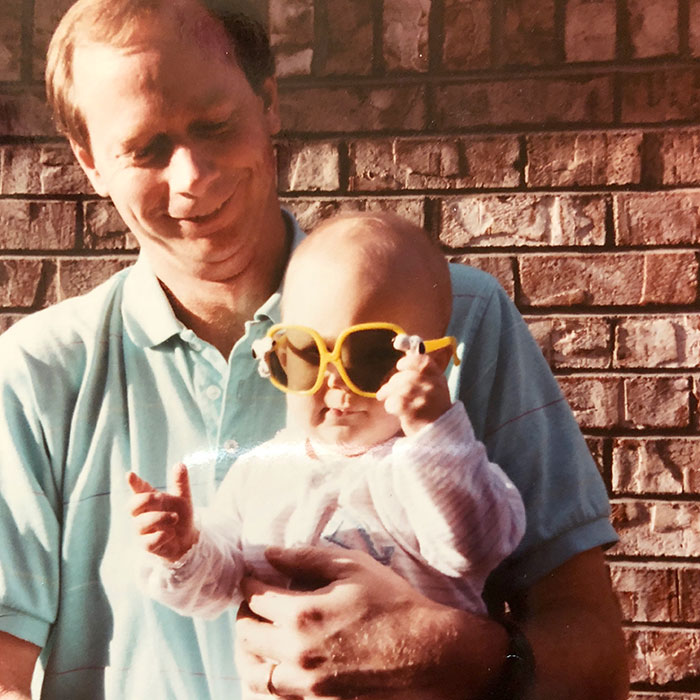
point(270, 685)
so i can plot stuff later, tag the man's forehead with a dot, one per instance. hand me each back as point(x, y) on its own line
point(174, 22)
point(145, 88)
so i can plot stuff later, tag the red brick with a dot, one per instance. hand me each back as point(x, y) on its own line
point(564, 159)
point(349, 38)
point(658, 341)
point(19, 281)
point(466, 43)
point(671, 157)
point(609, 279)
point(307, 166)
point(7, 320)
point(657, 218)
point(523, 219)
point(104, 228)
point(662, 695)
point(76, 276)
point(500, 267)
point(25, 114)
point(352, 109)
point(405, 34)
point(657, 402)
point(596, 448)
point(291, 26)
point(573, 342)
point(648, 528)
point(591, 26)
point(595, 401)
point(42, 225)
point(312, 211)
point(10, 39)
point(47, 14)
point(661, 95)
point(689, 580)
point(526, 101)
point(528, 32)
point(661, 656)
point(656, 465)
point(653, 26)
point(647, 592)
point(694, 28)
point(49, 169)
point(470, 161)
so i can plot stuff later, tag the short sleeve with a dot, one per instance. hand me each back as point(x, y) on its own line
point(29, 501)
point(519, 413)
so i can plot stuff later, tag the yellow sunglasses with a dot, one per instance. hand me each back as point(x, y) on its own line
point(294, 358)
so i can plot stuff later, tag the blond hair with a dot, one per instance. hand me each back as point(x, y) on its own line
point(114, 22)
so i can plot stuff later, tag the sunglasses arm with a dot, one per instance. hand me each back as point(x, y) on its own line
point(261, 348)
point(415, 344)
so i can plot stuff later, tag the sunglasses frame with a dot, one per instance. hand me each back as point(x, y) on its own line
point(332, 357)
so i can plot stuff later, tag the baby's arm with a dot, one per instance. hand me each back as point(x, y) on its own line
point(194, 571)
point(438, 493)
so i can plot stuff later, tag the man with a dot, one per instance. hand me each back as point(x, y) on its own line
point(170, 112)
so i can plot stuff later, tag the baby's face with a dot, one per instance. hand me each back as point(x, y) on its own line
point(330, 298)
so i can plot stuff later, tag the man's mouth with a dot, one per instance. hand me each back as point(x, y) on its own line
point(205, 217)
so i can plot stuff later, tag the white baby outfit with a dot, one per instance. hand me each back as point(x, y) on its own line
point(430, 506)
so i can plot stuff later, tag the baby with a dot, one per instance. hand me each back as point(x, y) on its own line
point(375, 455)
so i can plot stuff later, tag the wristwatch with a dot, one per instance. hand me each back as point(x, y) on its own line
point(518, 670)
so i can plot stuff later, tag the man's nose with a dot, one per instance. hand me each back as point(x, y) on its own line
point(190, 170)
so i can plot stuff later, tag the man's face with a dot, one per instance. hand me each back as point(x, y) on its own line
point(181, 143)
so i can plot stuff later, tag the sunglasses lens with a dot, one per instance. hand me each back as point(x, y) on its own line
point(369, 357)
point(295, 360)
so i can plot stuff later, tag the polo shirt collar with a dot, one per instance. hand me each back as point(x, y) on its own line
point(150, 320)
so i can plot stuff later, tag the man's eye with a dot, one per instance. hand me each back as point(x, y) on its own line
point(212, 129)
point(156, 152)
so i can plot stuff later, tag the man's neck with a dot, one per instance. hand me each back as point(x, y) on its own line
point(217, 310)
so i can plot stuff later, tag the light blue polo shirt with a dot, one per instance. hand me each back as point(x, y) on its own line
point(108, 382)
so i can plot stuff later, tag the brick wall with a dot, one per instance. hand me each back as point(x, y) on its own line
point(553, 143)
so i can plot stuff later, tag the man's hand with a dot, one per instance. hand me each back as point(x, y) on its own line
point(163, 520)
point(366, 634)
point(417, 393)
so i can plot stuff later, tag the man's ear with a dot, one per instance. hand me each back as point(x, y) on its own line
point(87, 163)
point(270, 98)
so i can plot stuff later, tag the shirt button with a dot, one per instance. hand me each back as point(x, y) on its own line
point(231, 445)
point(213, 392)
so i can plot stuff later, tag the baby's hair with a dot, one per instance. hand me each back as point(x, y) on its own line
point(390, 246)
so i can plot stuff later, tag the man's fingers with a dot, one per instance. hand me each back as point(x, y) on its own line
point(256, 644)
point(267, 602)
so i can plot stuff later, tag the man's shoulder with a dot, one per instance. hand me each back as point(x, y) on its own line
point(471, 283)
point(76, 322)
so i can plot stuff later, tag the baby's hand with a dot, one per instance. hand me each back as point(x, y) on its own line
point(417, 393)
point(164, 520)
